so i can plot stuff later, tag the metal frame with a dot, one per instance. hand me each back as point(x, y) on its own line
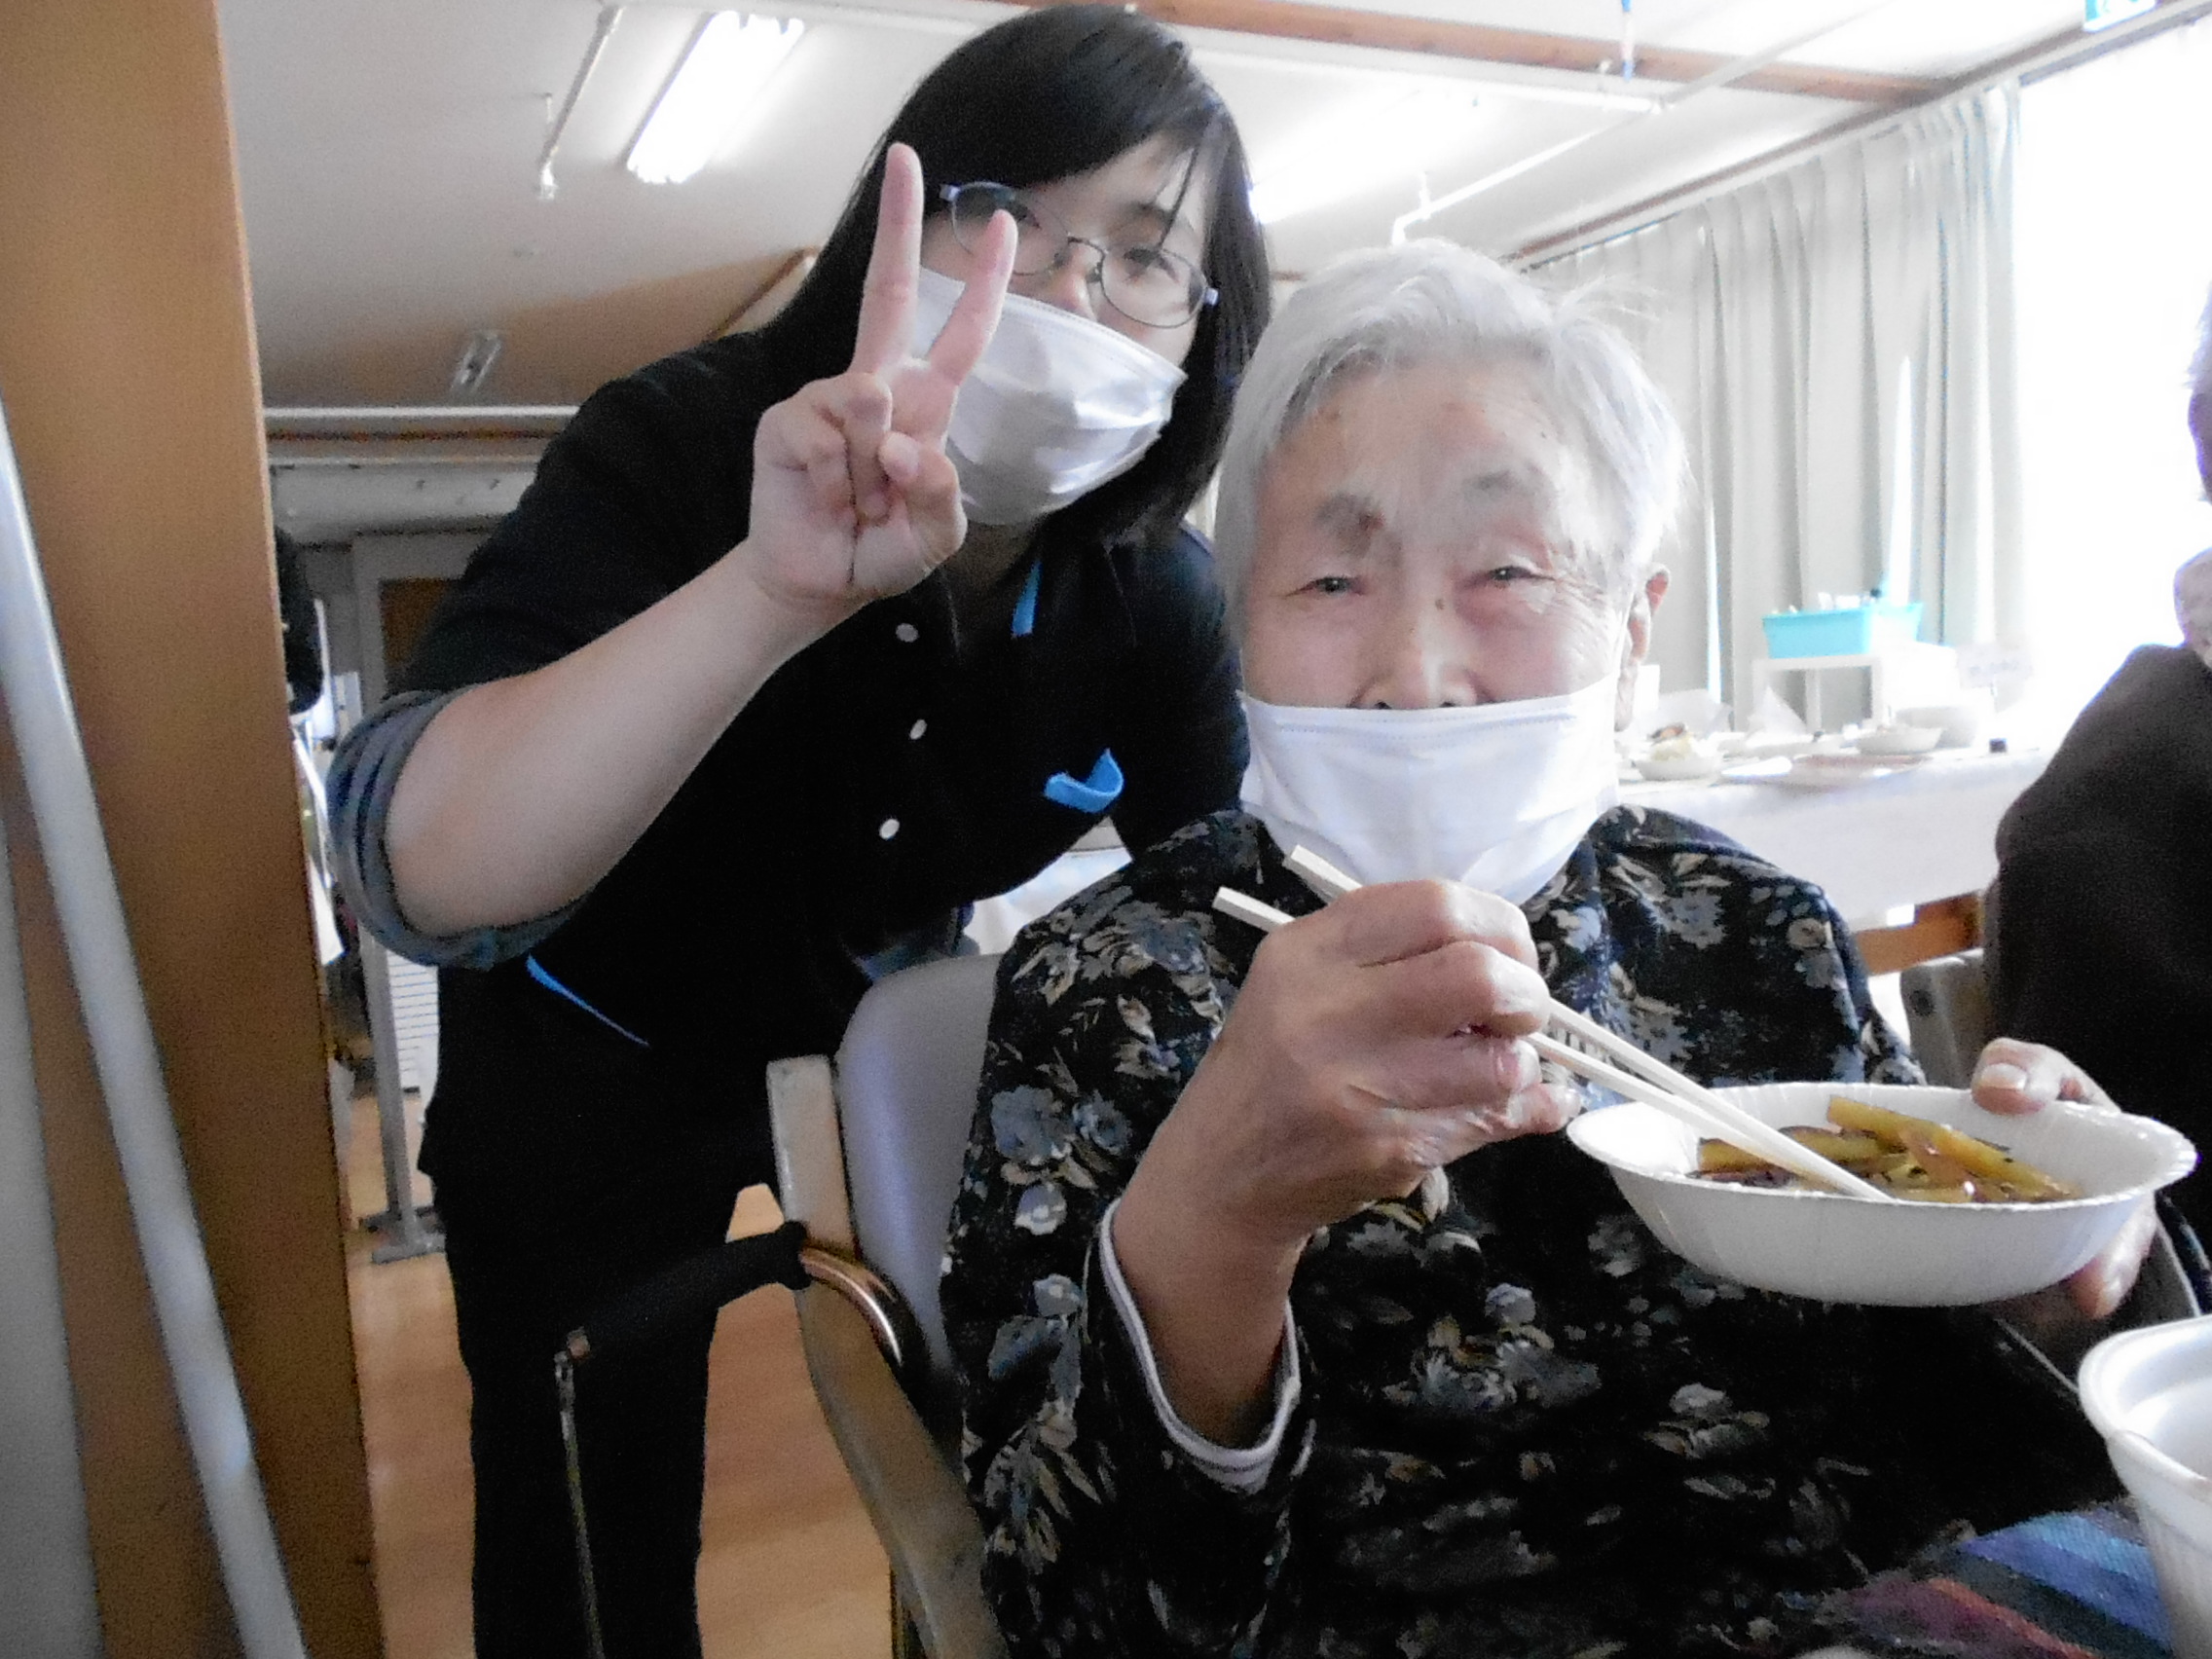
point(48, 1600)
point(406, 1229)
point(96, 937)
point(889, 1319)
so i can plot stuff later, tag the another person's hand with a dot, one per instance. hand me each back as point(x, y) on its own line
point(853, 495)
point(1374, 1041)
point(2014, 1078)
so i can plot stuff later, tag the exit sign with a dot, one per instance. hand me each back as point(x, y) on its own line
point(2103, 13)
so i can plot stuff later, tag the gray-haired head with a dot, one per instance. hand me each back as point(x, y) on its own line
point(2192, 604)
point(2200, 398)
point(2200, 369)
point(1426, 302)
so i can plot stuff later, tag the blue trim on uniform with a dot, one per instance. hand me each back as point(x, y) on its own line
point(1095, 793)
point(1025, 607)
point(537, 973)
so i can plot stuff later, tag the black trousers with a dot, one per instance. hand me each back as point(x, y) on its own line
point(521, 1283)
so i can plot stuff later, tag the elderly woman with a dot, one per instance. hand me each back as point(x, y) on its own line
point(1286, 1326)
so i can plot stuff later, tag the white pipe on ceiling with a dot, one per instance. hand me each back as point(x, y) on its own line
point(548, 187)
point(1726, 75)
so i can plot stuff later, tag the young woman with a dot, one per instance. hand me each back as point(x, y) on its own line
point(801, 642)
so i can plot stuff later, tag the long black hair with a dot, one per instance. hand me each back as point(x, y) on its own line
point(1042, 96)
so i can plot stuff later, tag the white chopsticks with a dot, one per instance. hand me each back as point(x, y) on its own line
point(1636, 1075)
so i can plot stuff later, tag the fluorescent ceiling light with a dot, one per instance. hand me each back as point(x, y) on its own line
point(713, 91)
point(1348, 155)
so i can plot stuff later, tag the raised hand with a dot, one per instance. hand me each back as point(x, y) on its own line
point(853, 495)
point(1373, 1042)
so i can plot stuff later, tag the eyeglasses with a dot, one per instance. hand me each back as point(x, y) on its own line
point(1142, 280)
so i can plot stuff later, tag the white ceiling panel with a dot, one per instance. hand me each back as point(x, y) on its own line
point(389, 156)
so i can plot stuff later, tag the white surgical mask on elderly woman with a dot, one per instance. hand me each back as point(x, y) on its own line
point(1495, 796)
point(1058, 405)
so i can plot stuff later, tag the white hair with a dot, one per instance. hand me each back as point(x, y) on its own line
point(1430, 301)
point(2193, 603)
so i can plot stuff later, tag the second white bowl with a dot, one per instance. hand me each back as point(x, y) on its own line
point(2150, 1394)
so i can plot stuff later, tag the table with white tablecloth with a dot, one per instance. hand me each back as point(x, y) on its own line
point(1925, 831)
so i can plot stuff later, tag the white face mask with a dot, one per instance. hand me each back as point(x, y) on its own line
point(1057, 406)
point(1495, 796)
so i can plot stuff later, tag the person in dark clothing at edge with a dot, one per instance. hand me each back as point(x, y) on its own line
point(786, 658)
point(2104, 889)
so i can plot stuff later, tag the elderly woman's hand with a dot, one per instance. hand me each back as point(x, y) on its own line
point(1371, 1042)
point(2014, 1078)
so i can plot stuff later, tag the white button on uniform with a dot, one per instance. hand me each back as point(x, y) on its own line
point(888, 827)
point(916, 729)
point(907, 633)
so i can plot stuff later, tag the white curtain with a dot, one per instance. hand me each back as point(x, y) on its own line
point(1783, 319)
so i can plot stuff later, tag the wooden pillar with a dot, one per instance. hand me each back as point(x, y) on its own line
point(126, 367)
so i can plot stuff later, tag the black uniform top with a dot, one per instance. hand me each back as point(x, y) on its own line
point(2104, 900)
point(884, 777)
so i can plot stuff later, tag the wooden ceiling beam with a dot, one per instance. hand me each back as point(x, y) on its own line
point(1437, 37)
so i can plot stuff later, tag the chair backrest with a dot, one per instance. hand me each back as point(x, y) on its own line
point(1947, 1006)
point(906, 1077)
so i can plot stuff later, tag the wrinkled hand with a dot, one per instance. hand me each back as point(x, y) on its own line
point(2015, 1077)
point(1373, 1040)
point(853, 495)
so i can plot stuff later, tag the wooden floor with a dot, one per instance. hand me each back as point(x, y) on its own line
point(791, 1567)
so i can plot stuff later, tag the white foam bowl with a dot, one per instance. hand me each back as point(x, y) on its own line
point(1961, 723)
point(1680, 768)
point(2150, 1394)
point(1836, 1249)
point(1899, 740)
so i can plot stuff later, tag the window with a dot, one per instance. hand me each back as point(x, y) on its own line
point(2115, 247)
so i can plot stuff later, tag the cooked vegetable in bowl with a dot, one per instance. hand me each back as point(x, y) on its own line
point(1914, 1158)
point(1837, 1248)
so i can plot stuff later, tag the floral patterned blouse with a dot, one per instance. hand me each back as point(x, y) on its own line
point(1522, 1428)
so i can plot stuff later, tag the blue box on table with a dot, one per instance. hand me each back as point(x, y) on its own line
point(1859, 631)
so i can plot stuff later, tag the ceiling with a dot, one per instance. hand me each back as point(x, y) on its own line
point(388, 150)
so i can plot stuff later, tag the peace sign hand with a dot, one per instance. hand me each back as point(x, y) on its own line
point(853, 495)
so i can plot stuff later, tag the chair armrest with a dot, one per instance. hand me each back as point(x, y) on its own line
point(810, 1155)
point(916, 1501)
point(1949, 1014)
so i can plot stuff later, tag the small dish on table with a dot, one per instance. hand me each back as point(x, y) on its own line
point(1680, 759)
point(1962, 723)
point(1891, 740)
point(1778, 745)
